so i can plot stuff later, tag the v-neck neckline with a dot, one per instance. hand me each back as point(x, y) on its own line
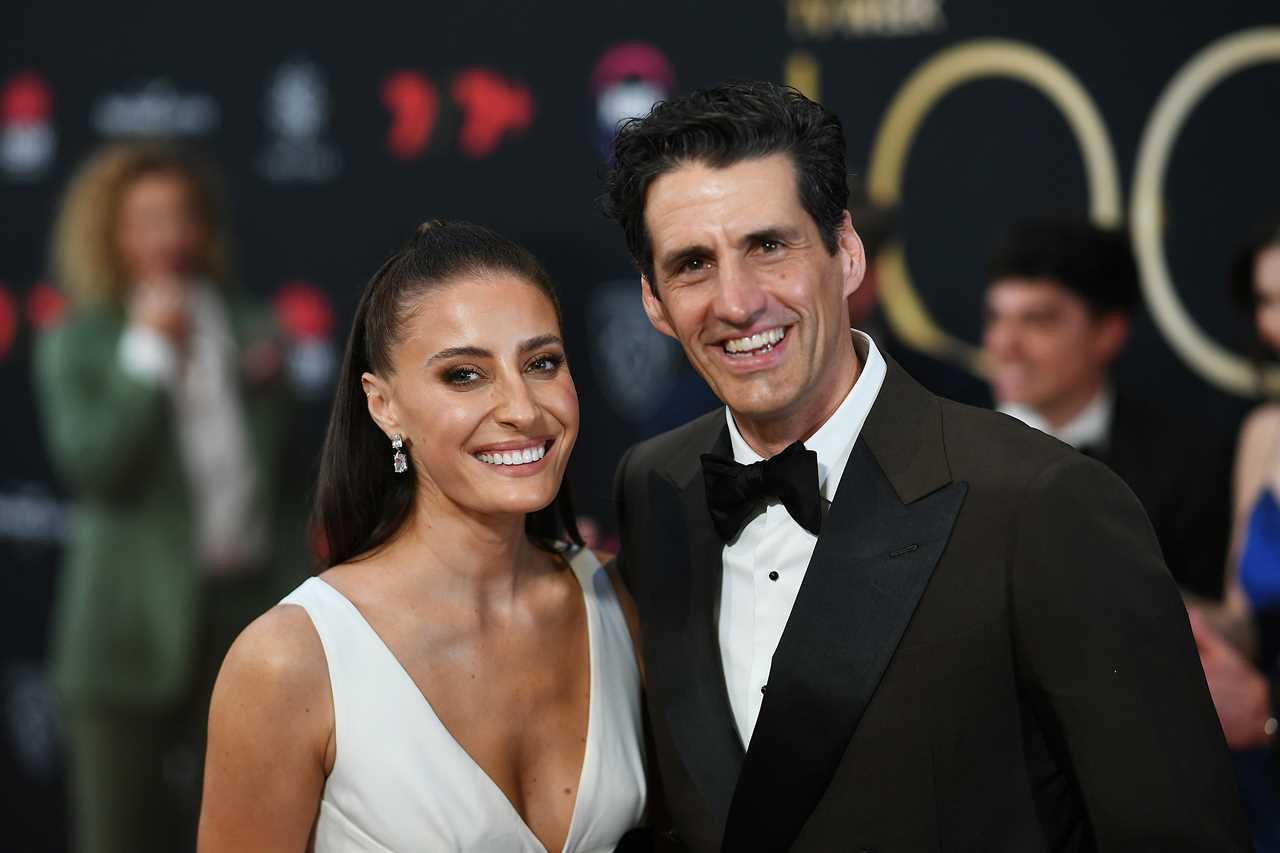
point(466, 756)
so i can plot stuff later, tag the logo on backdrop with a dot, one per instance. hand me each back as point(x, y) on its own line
point(635, 364)
point(156, 108)
point(414, 103)
point(27, 139)
point(305, 315)
point(627, 81)
point(864, 18)
point(493, 107)
point(297, 114)
point(8, 320)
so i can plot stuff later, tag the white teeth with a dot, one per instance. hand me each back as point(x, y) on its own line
point(514, 457)
point(757, 341)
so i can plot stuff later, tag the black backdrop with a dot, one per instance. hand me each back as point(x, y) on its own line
point(338, 129)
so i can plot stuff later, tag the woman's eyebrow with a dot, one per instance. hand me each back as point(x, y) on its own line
point(455, 352)
point(540, 341)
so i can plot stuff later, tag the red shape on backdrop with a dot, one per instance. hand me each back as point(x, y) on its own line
point(414, 105)
point(26, 99)
point(45, 305)
point(493, 107)
point(303, 311)
point(632, 60)
point(8, 320)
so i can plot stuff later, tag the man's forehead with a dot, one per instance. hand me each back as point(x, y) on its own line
point(1037, 291)
point(737, 199)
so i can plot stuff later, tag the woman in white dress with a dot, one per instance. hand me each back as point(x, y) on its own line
point(458, 678)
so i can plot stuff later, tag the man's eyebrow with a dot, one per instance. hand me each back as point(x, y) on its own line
point(672, 259)
point(455, 352)
point(540, 341)
point(770, 232)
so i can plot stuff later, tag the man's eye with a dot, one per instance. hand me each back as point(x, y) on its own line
point(694, 265)
point(770, 245)
point(461, 375)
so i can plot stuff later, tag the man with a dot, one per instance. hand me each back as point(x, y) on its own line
point(1059, 309)
point(975, 646)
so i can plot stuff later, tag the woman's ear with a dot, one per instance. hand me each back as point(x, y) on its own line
point(381, 407)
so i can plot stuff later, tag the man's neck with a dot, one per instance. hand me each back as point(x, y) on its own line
point(1063, 411)
point(769, 436)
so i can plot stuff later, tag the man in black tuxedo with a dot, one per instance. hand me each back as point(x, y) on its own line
point(1059, 308)
point(874, 619)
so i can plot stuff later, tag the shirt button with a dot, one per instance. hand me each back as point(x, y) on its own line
point(773, 576)
point(762, 687)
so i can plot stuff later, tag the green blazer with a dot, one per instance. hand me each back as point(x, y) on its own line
point(130, 611)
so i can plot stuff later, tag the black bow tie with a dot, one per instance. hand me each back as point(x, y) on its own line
point(735, 492)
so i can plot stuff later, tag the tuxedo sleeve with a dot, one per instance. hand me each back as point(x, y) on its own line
point(620, 512)
point(1106, 653)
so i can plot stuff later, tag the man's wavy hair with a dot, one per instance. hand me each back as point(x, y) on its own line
point(720, 127)
point(86, 259)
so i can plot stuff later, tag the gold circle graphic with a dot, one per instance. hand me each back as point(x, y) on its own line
point(1213, 64)
point(948, 70)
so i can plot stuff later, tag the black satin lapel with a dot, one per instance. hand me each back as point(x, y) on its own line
point(871, 565)
point(690, 689)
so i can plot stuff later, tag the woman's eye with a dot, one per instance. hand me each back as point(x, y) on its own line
point(546, 363)
point(461, 375)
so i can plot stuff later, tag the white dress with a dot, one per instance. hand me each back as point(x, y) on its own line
point(402, 784)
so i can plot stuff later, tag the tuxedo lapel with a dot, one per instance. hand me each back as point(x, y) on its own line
point(882, 537)
point(691, 689)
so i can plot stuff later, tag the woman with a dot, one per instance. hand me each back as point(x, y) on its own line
point(457, 679)
point(1256, 551)
point(161, 399)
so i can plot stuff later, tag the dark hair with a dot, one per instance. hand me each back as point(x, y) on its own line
point(1094, 263)
point(360, 501)
point(1265, 235)
point(720, 127)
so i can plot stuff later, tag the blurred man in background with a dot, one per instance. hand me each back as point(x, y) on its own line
point(163, 403)
point(1058, 311)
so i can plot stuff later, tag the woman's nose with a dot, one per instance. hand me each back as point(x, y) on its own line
point(515, 405)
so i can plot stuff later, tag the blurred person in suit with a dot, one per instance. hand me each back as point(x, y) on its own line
point(165, 415)
point(1059, 306)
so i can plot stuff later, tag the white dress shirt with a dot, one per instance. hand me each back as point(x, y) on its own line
point(1091, 428)
point(765, 565)
point(212, 436)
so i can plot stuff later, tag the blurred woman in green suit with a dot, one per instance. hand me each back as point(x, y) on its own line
point(164, 412)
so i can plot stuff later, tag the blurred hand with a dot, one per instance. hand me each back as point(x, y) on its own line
point(161, 303)
point(1240, 692)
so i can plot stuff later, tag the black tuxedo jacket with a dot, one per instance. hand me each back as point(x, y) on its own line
point(986, 654)
point(1181, 471)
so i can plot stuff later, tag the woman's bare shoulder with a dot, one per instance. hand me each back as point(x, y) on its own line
point(279, 658)
point(1261, 424)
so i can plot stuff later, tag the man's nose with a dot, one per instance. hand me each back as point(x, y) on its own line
point(740, 298)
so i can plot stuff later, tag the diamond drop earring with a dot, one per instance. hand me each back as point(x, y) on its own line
point(400, 462)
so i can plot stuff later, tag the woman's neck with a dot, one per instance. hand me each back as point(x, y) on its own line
point(482, 561)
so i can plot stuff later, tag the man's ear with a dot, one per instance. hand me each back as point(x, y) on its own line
point(381, 408)
point(655, 309)
point(1113, 333)
point(853, 256)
